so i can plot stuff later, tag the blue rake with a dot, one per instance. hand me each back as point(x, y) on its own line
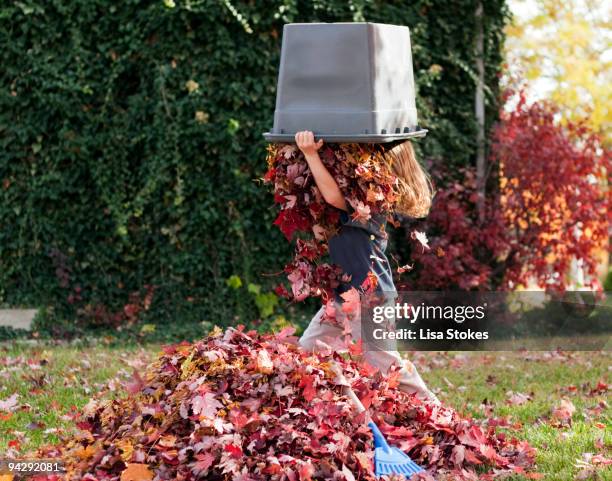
point(390, 460)
point(387, 459)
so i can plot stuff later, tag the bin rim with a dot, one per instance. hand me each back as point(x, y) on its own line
point(348, 138)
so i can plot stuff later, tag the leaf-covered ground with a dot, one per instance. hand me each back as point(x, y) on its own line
point(556, 401)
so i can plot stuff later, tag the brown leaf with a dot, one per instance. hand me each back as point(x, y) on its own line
point(518, 399)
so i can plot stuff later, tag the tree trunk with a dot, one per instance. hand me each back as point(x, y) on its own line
point(480, 114)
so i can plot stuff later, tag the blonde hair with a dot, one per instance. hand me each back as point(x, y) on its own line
point(414, 184)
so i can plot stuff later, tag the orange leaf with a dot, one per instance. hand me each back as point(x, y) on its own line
point(136, 472)
point(351, 301)
point(534, 476)
point(86, 452)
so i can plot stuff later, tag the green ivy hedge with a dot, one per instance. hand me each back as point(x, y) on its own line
point(131, 144)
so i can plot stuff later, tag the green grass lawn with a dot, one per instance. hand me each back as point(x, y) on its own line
point(526, 388)
point(521, 390)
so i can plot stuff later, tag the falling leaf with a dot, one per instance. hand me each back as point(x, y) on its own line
point(135, 384)
point(306, 471)
point(351, 301)
point(288, 150)
point(309, 390)
point(458, 455)
point(421, 237)
point(203, 462)
point(405, 268)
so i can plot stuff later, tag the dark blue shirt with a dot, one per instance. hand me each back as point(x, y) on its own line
point(359, 248)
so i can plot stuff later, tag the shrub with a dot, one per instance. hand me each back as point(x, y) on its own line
point(550, 205)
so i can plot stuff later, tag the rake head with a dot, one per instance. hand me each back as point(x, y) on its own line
point(389, 460)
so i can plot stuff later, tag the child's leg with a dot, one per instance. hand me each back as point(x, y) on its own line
point(410, 380)
point(384, 354)
point(318, 331)
point(382, 357)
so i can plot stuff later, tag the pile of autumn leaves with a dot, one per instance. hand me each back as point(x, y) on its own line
point(369, 187)
point(242, 406)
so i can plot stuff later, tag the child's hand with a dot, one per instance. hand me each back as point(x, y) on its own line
point(324, 180)
point(306, 142)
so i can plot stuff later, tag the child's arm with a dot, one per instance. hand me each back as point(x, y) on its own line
point(325, 182)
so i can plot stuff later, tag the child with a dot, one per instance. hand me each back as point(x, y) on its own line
point(359, 248)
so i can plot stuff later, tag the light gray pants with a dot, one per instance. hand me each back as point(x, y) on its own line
point(318, 336)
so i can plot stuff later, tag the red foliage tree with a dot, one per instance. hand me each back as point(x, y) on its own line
point(554, 195)
point(550, 204)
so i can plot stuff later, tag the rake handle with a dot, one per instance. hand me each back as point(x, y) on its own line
point(347, 389)
point(379, 438)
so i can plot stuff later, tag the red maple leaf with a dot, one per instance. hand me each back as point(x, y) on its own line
point(235, 451)
point(307, 383)
point(291, 220)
